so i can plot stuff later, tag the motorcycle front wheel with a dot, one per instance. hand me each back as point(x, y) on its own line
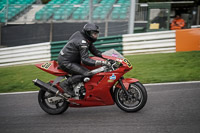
point(52, 104)
point(135, 101)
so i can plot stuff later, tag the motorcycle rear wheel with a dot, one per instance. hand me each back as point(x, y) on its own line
point(134, 103)
point(52, 104)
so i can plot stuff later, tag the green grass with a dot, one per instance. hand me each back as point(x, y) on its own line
point(151, 68)
point(170, 67)
point(19, 78)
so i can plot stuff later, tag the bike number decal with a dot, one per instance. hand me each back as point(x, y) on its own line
point(46, 65)
point(128, 63)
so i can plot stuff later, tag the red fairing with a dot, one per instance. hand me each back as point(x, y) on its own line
point(52, 68)
point(98, 90)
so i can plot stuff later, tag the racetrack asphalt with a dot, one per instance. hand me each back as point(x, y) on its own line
point(170, 108)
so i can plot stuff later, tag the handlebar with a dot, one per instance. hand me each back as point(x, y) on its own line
point(114, 65)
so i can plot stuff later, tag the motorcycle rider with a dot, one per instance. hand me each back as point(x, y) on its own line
point(75, 52)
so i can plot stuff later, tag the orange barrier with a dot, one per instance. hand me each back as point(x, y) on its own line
point(188, 40)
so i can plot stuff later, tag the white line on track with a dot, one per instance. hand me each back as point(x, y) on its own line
point(170, 83)
point(13, 93)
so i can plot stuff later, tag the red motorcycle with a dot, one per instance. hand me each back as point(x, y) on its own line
point(106, 87)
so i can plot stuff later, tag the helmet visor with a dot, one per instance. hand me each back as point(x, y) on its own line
point(94, 34)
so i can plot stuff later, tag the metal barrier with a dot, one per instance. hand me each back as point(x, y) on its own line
point(55, 48)
point(152, 42)
point(26, 54)
point(102, 44)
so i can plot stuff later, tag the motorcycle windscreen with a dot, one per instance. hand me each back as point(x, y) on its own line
point(113, 53)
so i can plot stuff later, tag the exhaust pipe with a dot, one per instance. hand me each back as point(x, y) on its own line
point(49, 88)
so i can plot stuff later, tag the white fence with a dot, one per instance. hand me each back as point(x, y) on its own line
point(25, 54)
point(152, 42)
point(142, 43)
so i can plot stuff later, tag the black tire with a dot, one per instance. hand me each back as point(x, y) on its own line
point(51, 108)
point(136, 102)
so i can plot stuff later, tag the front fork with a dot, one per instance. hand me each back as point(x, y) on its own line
point(123, 87)
point(125, 83)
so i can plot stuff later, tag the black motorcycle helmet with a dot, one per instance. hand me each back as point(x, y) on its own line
point(91, 31)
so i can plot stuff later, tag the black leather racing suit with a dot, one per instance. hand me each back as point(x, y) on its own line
point(74, 53)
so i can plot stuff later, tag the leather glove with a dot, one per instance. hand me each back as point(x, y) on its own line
point(102, 63)
point(106, 63)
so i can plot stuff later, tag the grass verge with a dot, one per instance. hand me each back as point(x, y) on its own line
point(151, 68)
point(169, 67)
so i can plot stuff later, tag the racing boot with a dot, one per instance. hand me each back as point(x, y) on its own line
point(66, 85)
